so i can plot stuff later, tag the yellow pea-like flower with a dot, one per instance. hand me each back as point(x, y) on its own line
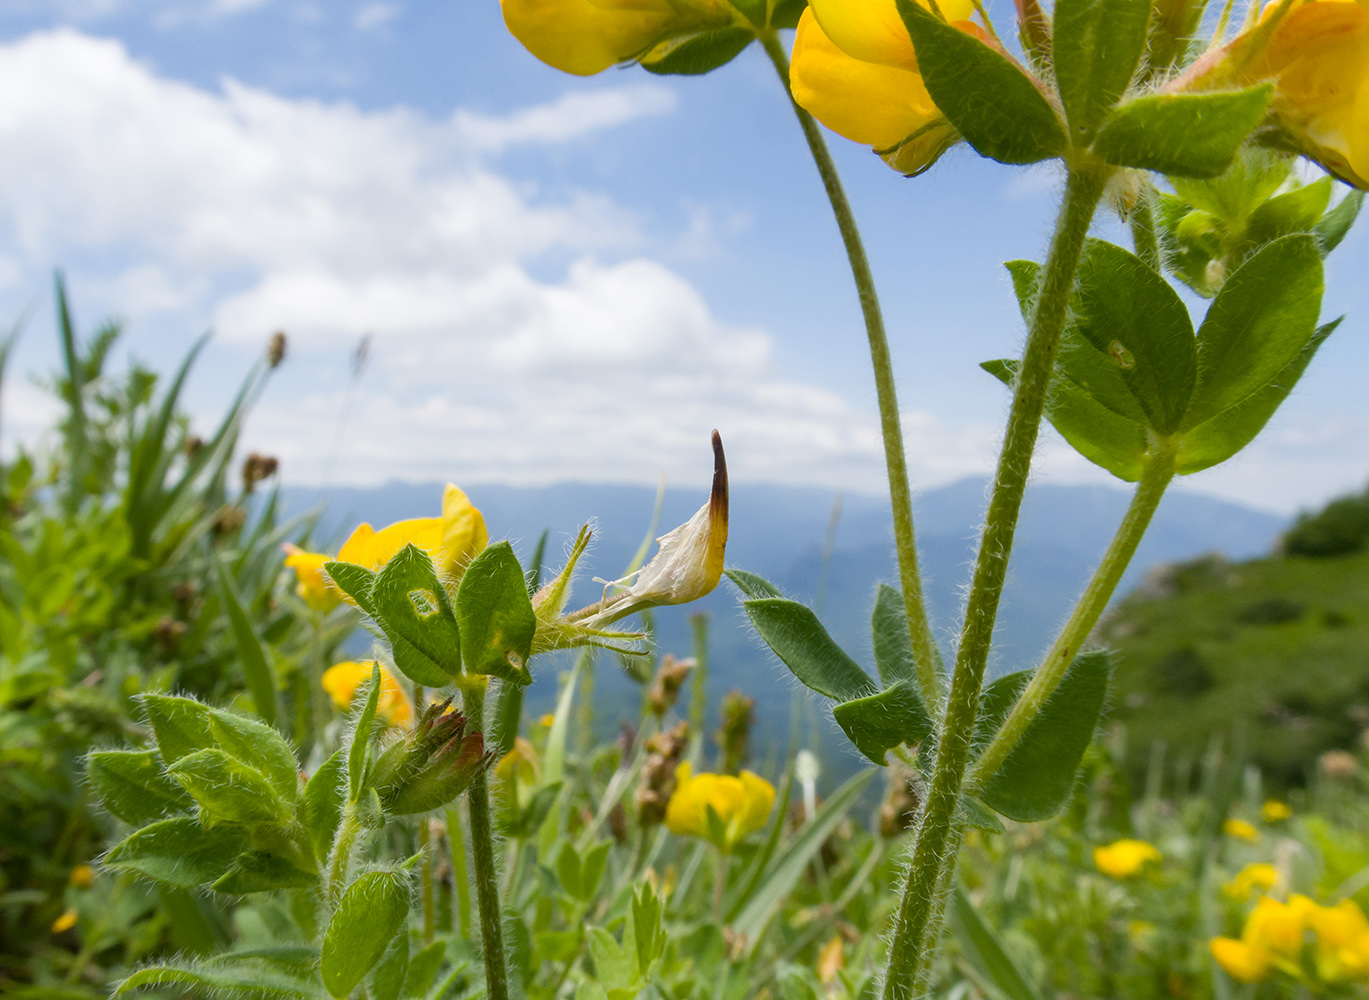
point(1255, 876)
point(463, 532)
point(1124, 858)
point(1241, 830)
point(585, 37)
point(743, 803)
point(1240, 960)
point(312, 584)
point(1274, 811)
point(372, 549)
point(1279, 929)
point(855, 70)
point(343, 680)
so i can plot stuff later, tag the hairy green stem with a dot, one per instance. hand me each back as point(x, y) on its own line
point(933, 851)
point(341, 854)
point(1142, 222)
point(456, 842)
point(482, 858)
point(1155, 478)
point(895, 459)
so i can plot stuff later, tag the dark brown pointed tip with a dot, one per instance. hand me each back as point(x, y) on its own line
point(718, 499)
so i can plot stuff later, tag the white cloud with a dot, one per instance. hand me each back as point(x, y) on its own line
point(374, 15)
point(572, 115)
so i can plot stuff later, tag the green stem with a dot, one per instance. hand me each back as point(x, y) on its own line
point(916, 930)
point(891, 427)
point(1155, 478)
point(1142, 222)
point(426, 879)
point(342, 854)
point(482, 857)
point(456, 840)
point(719, 884)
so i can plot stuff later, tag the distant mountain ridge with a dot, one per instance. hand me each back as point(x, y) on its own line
point(779, 532)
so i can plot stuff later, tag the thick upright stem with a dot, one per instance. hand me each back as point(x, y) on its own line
point(900, 493)
point(1155, 478)
point(916, 930)
point(482, 859)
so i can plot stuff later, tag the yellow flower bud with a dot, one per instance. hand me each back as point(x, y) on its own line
point(742, 803)
point(65, 922)
point(585, 37)
point(313, 586)
point(82, 876)
point(1124, 858)
point(342, 680)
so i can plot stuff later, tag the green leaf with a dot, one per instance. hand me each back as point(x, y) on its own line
point(423, 969)
point(613, 968)
point(648, 937)
point(1296, 211)
point(790, 866)
point(568, 871)
point(1100, 435)
point(793, 631)
point(1192, 135)
point(416, 615)
point(206, 980)
point(262, 871)
point(1096, 46)
point(181, 725)
point(1026, 279)
point(229, 789)
point(1335, 224)
point(371, 912)
point(1257, 325)
point(1217, 439)
point(387, 981)
point(592, 869)
point(359, 749)
point(496, 616)
point(559, 946)
point(320, 808)
point(881, 721)
point(257, 672)
point(994, 104)
point(983, 951)
point(694, 55)
point(259, 746)
point(355, 581)
point(752, 585)
point(1138, 324)
point(889, 632)
point(178, 851)
point(132, 786)
point(1038, 775)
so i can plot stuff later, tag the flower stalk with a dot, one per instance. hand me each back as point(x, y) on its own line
point(891, 427)
point(482, 858)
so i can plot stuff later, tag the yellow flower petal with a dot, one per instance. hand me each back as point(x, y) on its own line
point(1124, 858)
point(463, 532)
point(65, 922)
point(313, 586)
point(1241, 830)
point(867, 102)
point(372, 549)
point(342, 681)
point(1240, 960)
point(82, 876)
point(1261, 875)
point(742, 803)
point(1274, 811)
point(585, 38)
point(872, 30)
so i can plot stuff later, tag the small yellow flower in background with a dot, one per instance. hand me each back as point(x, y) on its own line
point(743, 804)
point(313, 587)
point(1342, 951)
point(343, 680)
point(1276, 935)
point(1124, 858)
point(546, 720)
point(1239, 960)
point(65, 922)
point(1274, 811)
point(1257, 876)
point(585, 37)
point(854, 70)
point(82, 876)
point(1241, 830)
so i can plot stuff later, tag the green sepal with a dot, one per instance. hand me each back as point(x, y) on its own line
point(228, 789)
point(877, 723)
point(1335, 224)
point(1217, 439)
point(1257, 325)
point(796, 636)
point(180, 725)
point(355, 581)
point(415, 614)
point(1096, 46)
point(694, 55)
point(132, 786)
point(1037, 776)
point(1190, 135)
point(752, 585)
point(320, 807)
point(1026, 280)
point(259, 746)
point(262, 871)
point(1295, 211)
point(992, 102)
point(496, 616)
point(368, 916)
point(178, 851)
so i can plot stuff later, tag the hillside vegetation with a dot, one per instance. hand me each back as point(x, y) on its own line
point(1270, 654)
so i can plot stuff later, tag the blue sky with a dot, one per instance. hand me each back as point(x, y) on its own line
point(564, 278)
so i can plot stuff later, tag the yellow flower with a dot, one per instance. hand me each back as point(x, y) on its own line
point(585, 37)
point(1275, 811)
point(1317, 54)
point(1342, 950)
point(1262, 876)
point(82, 876)
point(65, 922)
point(1241, 830)
point(742, 803)
point(463, 533)
point(1124, 858)
point(313, 587)
point(343, 680)
point(1279, 928)
point(1243, 962)
point(451, 541)
point(854, 69)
